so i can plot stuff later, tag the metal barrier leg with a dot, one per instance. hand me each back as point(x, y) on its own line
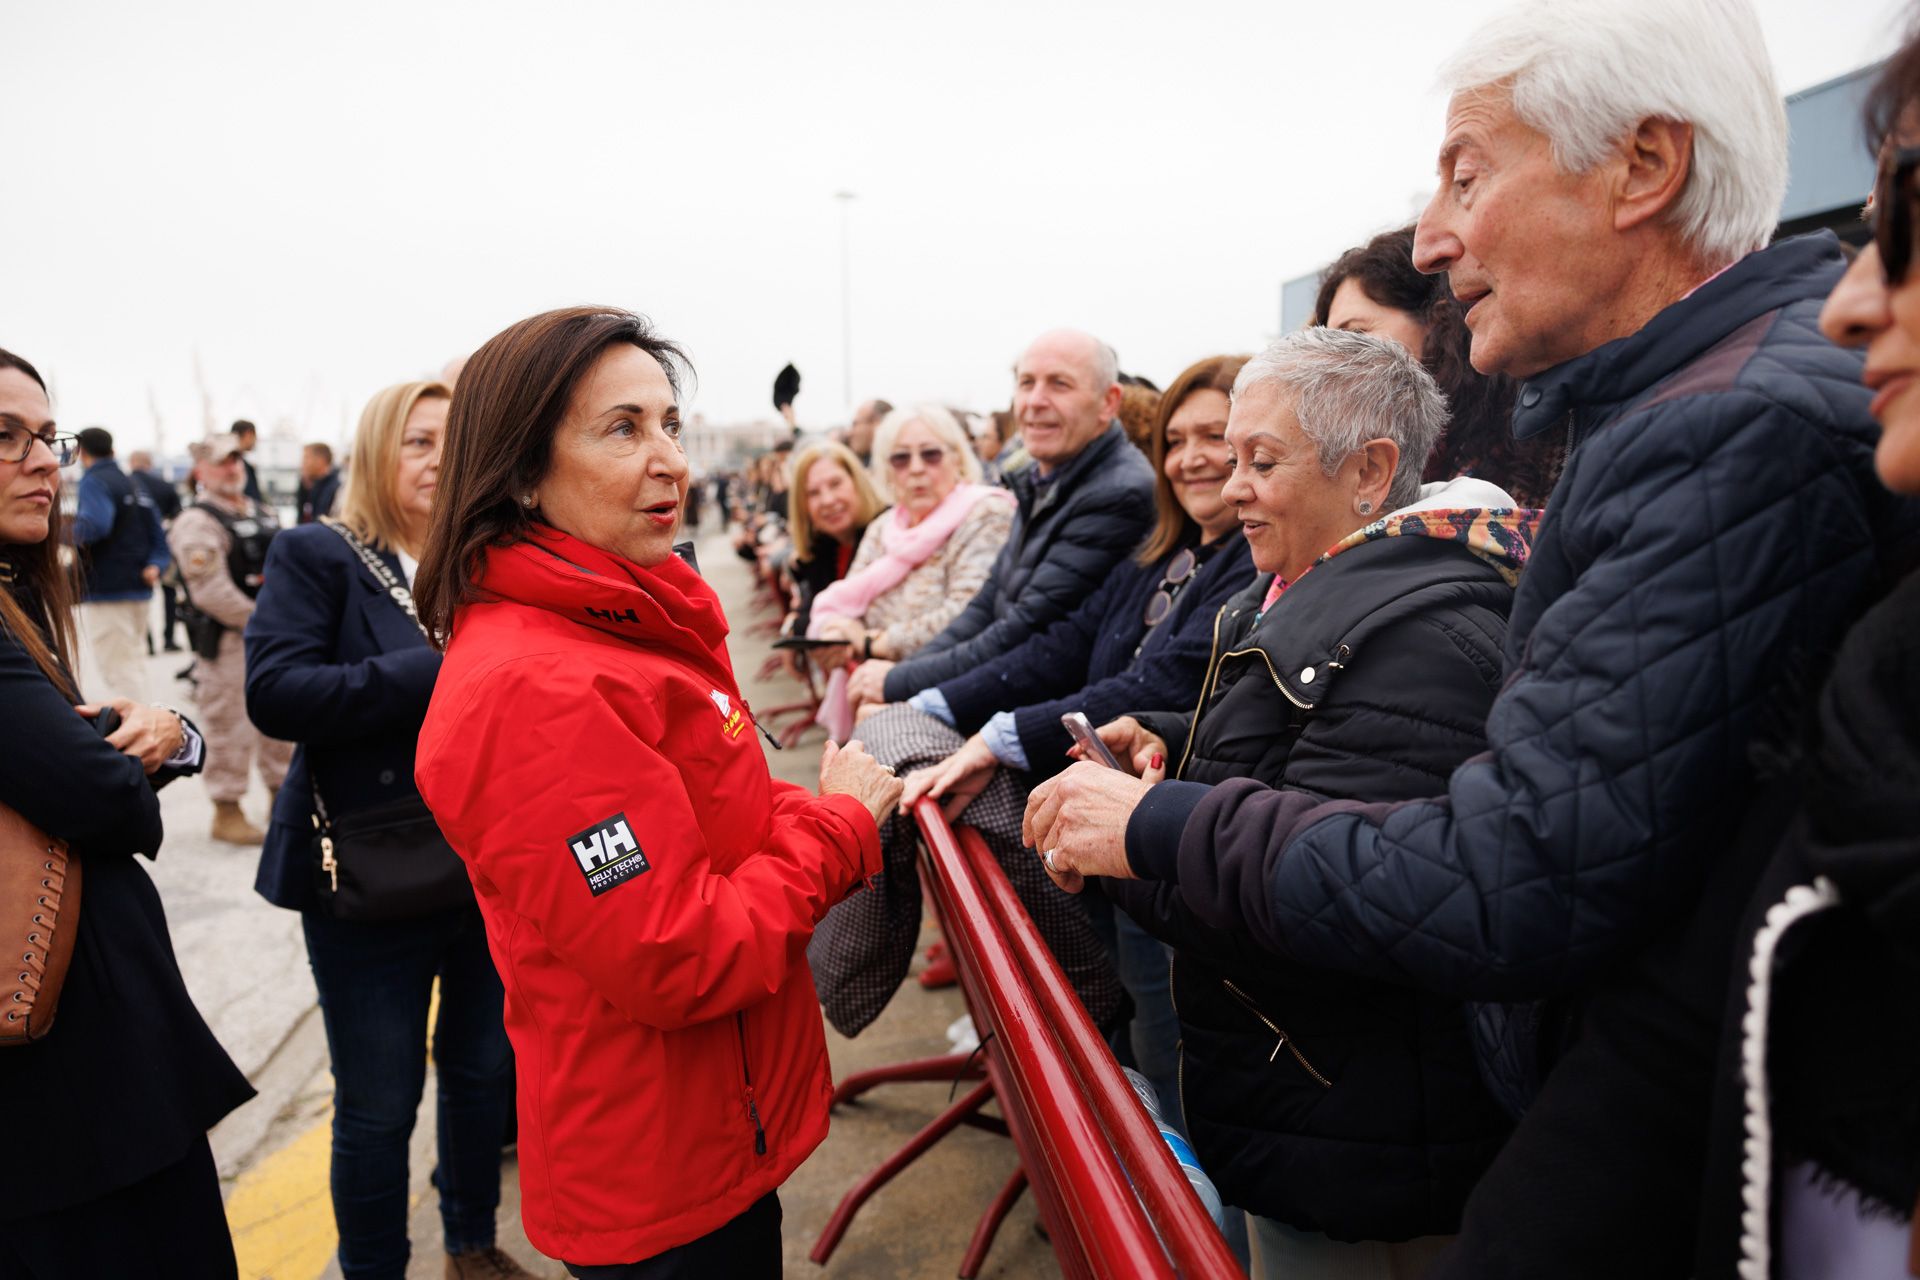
point(947, 1067)
point(990, 1224)
point(943, 1124)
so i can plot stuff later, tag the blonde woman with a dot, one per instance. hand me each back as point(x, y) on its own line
point(829, 507)
point(918, 567)
point(919, 564)
point(337, 663)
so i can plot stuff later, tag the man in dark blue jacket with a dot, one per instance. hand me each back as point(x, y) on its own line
point(1083, 508)
point(1717, 526)
point(319, 483)
point(123, 552)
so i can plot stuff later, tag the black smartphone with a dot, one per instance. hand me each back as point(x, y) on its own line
point(105, 721)
point(1081, 728)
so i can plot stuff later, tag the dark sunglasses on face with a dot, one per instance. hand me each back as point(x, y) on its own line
point(16, 443)
point(1160, 603)
point(1892, 212)
point(930, 456)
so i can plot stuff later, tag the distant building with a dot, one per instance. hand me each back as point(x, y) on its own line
point(721, 446)
point(1829, 173)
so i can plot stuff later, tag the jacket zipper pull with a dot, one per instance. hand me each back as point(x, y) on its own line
point(328, 865)
point(759, 1134)
point(771, 740)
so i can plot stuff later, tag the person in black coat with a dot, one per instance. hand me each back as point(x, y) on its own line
point(337, 663)
point(1085, 504)
point(108, 1171)
point(1333, 1109)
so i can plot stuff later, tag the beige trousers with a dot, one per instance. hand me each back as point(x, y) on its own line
point(1281, 1252)
point(232, 741)
point(114, 638)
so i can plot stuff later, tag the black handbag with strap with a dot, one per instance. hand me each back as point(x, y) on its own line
point(388, 862)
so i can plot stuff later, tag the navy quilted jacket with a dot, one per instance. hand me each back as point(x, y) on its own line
point(1718, 518)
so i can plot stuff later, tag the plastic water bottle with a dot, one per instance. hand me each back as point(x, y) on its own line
point(1189, 1162)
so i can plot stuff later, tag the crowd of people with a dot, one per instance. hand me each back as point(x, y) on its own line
point(1493, 830)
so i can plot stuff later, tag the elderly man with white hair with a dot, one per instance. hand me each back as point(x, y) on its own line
point(1610, 172)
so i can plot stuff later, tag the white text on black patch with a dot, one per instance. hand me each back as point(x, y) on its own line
point(608, 854)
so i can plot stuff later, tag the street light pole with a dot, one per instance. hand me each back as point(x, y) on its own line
point(846, 304)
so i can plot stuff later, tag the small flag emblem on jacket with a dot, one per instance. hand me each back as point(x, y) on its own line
point(731, 720)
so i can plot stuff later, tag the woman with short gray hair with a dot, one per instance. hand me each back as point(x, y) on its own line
point(1334, 1109)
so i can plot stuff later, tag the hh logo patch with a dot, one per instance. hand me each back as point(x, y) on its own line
point(608, 854)
point(731, 721)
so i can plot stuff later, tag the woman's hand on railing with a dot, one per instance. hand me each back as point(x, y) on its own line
point(850, 771)
point(1078, 822)
point(956, 780)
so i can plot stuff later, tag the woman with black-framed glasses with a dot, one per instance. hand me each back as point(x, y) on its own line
point(111, 1173)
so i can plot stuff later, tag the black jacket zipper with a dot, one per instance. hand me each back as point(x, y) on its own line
point(1286, 1041)
point(746, 1073)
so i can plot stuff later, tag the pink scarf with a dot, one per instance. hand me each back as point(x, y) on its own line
point(907, 548)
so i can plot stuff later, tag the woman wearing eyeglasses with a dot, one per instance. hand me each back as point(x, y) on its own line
point(920, 563)
point(108, 1171)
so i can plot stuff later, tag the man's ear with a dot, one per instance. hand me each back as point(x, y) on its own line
point(1659, 157)
point(1110, 403)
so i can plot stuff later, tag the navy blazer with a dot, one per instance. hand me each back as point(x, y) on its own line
point(336, 666)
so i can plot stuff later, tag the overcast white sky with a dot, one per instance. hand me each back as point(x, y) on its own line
point(323, 199)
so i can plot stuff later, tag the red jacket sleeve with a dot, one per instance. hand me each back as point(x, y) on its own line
point(541, 755)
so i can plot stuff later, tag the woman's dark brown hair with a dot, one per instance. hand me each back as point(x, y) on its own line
point(499, 442)
point(1894, 100)
point(39, 577)
point(1172, 524)
point(1479, 437)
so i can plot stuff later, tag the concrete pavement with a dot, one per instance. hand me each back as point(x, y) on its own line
point(245, 963)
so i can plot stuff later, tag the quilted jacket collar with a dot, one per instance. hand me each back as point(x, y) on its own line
point(1037, 497)
point(1763, 281)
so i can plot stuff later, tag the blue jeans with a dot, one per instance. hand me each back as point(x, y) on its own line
point(375, 983)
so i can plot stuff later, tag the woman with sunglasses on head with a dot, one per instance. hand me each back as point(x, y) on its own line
point(108, 1170)
point(920, 563)
point(1140, 640)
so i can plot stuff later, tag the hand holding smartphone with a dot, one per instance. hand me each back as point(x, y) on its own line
point(1081, 728)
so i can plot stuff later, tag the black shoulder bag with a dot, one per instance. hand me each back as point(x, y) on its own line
point(389, 862)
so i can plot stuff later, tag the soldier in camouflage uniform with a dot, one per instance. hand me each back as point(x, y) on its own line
point(220, 545)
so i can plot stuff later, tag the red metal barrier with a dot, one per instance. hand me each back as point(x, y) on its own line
point(1111, 1195)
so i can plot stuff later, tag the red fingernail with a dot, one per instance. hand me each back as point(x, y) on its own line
point(1158, 762)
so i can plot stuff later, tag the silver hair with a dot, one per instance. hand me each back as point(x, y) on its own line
point(945, 428)
point(1587, 73)
point(1348, 388)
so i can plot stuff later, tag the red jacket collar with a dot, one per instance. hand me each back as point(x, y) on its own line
point(668, 604)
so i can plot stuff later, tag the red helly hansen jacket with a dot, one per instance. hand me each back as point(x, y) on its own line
point(648, 893)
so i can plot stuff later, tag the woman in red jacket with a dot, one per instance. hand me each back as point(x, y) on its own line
point(648, 889)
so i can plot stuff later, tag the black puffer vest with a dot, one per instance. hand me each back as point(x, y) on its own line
point(1330, 1102)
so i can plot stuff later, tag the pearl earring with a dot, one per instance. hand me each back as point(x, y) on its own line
point(526, 500)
